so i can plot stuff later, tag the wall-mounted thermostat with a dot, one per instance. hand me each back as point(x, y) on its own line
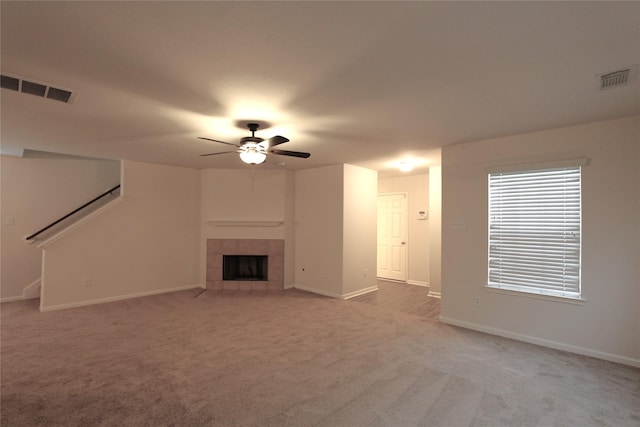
point(422, 215)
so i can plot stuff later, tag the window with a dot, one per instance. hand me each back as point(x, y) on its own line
point(535, 231)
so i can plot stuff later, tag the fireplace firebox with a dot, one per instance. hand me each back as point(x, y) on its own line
point(245, 267)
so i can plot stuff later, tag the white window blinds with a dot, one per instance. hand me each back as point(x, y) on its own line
point(534, 231)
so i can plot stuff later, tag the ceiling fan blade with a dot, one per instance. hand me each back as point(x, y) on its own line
point(215, 140)
point(276, 140)
point(290, 153)
point(215, 154)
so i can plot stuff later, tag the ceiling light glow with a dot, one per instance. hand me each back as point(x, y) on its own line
point(405, 166)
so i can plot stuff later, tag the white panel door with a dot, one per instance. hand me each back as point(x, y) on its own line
point(392, 236)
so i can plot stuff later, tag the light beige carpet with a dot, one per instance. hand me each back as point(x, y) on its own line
point(289, 359)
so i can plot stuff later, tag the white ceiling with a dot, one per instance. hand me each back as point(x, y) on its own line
point(366, 83)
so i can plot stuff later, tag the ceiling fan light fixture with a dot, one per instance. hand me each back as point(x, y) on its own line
point(252, 155)
point(253, 150)
point(253, 158)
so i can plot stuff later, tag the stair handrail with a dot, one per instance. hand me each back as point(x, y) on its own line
point(95, 199)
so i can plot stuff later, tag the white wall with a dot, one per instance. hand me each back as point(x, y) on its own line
point(435, 231)
point(359, 240)
point(148, 243)
point(35, 192)
point(607, 324)
point(248, 195)
point(335, 208)
point(243, 194)
point(318, 233)
point(289, 231)
point(417, 189)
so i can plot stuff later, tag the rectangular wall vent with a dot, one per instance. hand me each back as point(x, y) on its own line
point(43, 90)
point(617, 78)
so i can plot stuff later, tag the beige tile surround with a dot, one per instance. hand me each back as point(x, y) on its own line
point(273, 248)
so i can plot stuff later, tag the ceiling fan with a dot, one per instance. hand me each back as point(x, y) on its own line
point(253, 150)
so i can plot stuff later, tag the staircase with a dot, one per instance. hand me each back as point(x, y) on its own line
point(63, 225)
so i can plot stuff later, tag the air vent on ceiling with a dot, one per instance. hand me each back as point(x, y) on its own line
point(617, 78)
point(42, 90)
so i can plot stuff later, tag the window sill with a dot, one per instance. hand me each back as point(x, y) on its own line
point(554, 298)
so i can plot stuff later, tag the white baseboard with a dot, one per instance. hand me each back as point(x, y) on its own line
point(118, 298)
point(337, 296)
point(360, 292)
point(384, 279)
point(434, 294)
point(11, 299)
point(543, 342)
point(318, 291)
point(32, 291)
point(418, 283)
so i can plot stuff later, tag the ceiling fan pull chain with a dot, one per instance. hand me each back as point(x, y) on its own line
point(253, 176)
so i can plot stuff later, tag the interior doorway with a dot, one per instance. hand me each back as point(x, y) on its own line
point(392, 236)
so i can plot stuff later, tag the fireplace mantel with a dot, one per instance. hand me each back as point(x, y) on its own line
point(243, 223)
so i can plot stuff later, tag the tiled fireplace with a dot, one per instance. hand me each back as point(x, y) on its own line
point(272, 248)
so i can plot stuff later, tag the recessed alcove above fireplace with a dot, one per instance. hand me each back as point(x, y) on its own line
point(260, 264)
